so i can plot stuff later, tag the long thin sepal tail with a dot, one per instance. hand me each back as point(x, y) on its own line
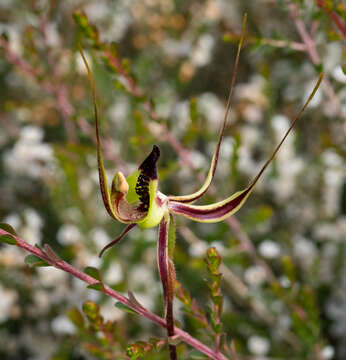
point(106, 197)
point(192, 197)
point(225, 208)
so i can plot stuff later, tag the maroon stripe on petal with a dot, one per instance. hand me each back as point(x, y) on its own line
point(203, 214)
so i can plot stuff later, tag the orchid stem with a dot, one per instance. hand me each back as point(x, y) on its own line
point(167, 275)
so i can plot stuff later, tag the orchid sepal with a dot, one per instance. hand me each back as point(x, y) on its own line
point(188, 199)
point(211, 213)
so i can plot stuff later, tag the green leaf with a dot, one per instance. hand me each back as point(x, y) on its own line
point(35, 261)
point(93, 272)
point(213, 260)
point(6, 238)
point(97, 286)
point(8, 228)
point(123, 307)
point(91, 310)
point(76, 317)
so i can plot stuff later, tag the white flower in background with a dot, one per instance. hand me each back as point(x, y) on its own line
point(304, 250)
point(52, 35)
point(198, 249)
point(119, 110)
point(252, 113)
point(246, 164)
point(201, 54)
point(50, 276)
point(212, 108)
point(100, 237)
point(285, 282)
point(62, 325)
point(68, 234)
point(181, 117)
point(114, 274)
point(219, 245)
point(253, 91)
point(339, 75)
point(269, 249)
point(289, 166)
point(110, 312)
point(12, 219)
point(31, 230)
point(255, 275)
point(173, 47)
point(258, 345)
point(334, 176)
point(8, 298)
point(30, 156)
point(328, 352)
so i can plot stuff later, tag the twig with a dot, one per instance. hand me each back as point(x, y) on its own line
point(293, 45)
point(312, 52)
point(333, 15)
point(63, 265)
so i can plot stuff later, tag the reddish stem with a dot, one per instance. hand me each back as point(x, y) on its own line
point(63, 265)
point(333, 15)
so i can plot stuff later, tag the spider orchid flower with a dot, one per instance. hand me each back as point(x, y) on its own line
point(136, 199)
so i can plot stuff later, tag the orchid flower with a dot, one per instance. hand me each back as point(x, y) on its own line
point(136, 199)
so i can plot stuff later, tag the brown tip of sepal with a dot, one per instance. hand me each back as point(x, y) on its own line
point(149, 165)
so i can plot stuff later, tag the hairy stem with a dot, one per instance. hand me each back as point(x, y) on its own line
point(167, 276)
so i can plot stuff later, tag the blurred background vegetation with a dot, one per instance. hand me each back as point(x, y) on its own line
point(163, 69)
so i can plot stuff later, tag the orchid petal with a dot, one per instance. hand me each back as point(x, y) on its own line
point(132, 179)
point(117, 239)
point(223, 209)
point(196, 195)
point(157, 207)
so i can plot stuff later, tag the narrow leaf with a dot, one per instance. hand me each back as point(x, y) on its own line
point(8, 239)
point(76, 317)
point(51, 254)
point(123, 307)
point(8, 228)
point(93, 272)
point(133, 300)
point(35, 261)
point(97, 286)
